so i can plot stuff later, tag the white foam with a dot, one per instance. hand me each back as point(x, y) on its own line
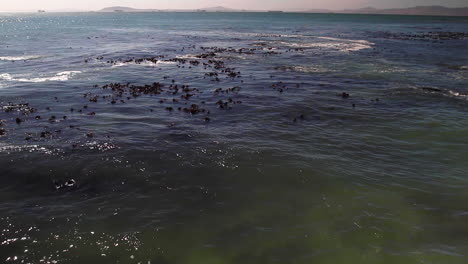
point(6, 77)
point(305, 69)
point(275, 35)
point(240, 34)
point(61, 76)
point(457, 94)
point(310, 69)
point(230, 57)
point(20, 58)
point(166, 62)
point(121, 64)
point(188, 57)
point(365, 42)
point(5, 148)
point(342, 45)
point(144, 63)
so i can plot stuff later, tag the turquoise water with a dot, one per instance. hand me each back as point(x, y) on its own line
point(259, 138)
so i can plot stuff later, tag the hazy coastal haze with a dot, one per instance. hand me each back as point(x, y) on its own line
point(88, 5)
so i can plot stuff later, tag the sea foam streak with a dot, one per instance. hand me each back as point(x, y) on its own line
point(61, 76)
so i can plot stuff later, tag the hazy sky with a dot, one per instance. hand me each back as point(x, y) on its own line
point(23, 5)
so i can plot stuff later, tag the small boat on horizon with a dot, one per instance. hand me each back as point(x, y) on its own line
point(41, 11)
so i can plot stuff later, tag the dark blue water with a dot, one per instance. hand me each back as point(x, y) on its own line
point(233, 138)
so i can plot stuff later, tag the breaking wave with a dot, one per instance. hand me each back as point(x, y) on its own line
point(61, 76)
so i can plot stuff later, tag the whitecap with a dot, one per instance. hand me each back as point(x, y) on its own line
point(61, 76)
point(20, 58)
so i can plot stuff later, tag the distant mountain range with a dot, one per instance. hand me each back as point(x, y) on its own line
point(220, 9)
point(124, 9)
point(418, 10)
point(129, 9)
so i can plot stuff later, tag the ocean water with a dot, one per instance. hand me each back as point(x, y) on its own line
point(233, 138)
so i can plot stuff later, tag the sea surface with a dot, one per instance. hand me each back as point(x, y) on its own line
point(233, 138)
